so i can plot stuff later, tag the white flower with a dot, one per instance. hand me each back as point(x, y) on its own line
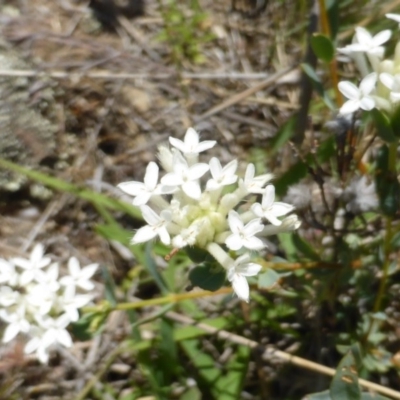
point(394, 17)
point(157, 226)
point(392, 82)
point(49, 278)
point(366, 43)
point(186, 177)
point(52, 332)
point(237, 275)
point(70, 302)
point(17, 323)
point(253, 184)
point(142, 191)
point(190, 144)
point(358, 97)
point(8, 274)
point(8, 296)
point(289, 224)
point(79, 277)
point(221, 176)
point(243, 235)
point(33, 266)
point(269, 209)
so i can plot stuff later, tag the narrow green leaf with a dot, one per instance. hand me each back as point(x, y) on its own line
point(387, 185)
point(305, 248)
point(322, 47)
point(283, 135)
point(152, 268)
point(293, 175)
point(81, 192)
point(318, 87)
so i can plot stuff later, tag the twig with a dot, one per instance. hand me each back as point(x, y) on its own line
point(243, 95)
point(28, 73)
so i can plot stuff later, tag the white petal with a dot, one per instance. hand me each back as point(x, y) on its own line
point(268, 196)
point(192, 189)
point(203, 146)
point(164, 236)
point(253, 227)
point(234, 242)
point(151, 177)
point(178, 144)
point(235, 224)
point(382, 37)
point(367, 103)
point(198, 170)
point(150, 216)
point(394, 17)
point(349, 90)
point(387, 80)
point(363, 36)
point(279, 208)
point(231, 167)
point(249, 269)
point(64, 338)
point(241, 287)
point(249, 175)
point(215, 168)
point(191, 137)
point(10, 332)
point(133, 188)
point(32, 345)
point(349, 107)
point(253, 243)
point(88, 271)
point(172, 179)
point(74, 267)
point(144, 234)
point(368, 83)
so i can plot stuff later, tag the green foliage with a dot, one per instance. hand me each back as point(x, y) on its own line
point(323, 47)
point(208, 276)
point(185, 30)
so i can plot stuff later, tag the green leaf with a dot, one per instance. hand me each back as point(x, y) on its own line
point(268, 279)
point(208, 276)
point(332, 8)
point(345, 385)
point(395, 122)
point(152, 268)
point(197, 254)
point(283, 135)
point(319, 396)
point(293, 175)
point(81, 192)
point(318, 87)
point(322, 47)
point(383, 126)
point(305, 248)
point(387, 185)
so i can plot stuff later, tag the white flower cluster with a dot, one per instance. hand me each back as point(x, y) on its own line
point(182, 211)
point(380, 86)
point(37, 303)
